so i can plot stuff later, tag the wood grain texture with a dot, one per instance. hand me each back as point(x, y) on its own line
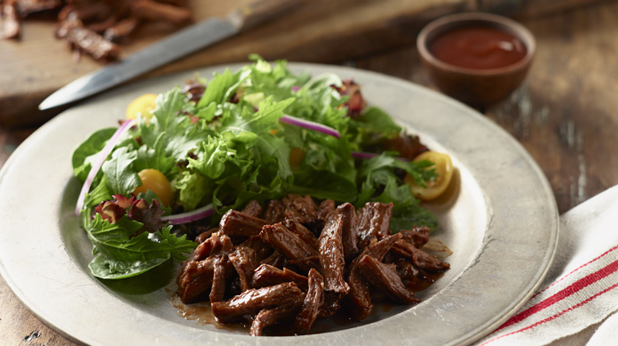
point(531, 8)
point(38, 64)
point(565, 115)
point(566, 112)
point(319, 31)
point(20, 327)
point(10, 140)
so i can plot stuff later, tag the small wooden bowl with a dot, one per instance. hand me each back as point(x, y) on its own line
point(476, 87)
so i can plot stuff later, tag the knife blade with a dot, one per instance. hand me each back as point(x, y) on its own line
point(175, 46)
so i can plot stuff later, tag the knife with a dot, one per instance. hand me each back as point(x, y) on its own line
point(175, 46)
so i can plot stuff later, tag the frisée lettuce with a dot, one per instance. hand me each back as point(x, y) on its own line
point(258, 133)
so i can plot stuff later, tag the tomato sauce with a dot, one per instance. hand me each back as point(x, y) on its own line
point(478, 48)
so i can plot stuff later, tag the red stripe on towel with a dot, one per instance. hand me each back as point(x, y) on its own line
point(554, 316)
point(563, 294)
point(575, 270)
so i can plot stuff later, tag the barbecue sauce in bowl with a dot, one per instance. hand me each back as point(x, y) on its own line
point(478, 48)
point(477, 58)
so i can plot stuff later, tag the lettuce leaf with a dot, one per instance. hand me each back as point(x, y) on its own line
point(98, 194)
point(194, 188)
point(121, 177)
point(154, 157)
point(170, 132)
point(217, 88)
point(381, 183)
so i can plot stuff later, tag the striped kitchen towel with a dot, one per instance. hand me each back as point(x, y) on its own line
point(581, 288)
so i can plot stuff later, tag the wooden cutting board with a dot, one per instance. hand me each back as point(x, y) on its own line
point(318, 31)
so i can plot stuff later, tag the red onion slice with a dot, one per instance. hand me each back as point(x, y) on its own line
point(194, 215)
point(310, 125)
point(363, 155)
point(366, 155)
point(103, 154)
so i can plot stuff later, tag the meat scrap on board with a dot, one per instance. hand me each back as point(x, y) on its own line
point(94, 27)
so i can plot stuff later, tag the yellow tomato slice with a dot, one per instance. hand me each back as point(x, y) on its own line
point(143, 105)
point(156, 182)
point(443, 167)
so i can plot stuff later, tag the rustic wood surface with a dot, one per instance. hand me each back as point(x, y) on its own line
point(565, 115)
point(566, 112)
point(37, 65)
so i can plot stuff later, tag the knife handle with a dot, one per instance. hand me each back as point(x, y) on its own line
point(260, 11)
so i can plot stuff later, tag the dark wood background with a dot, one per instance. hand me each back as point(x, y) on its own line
point(565, 114)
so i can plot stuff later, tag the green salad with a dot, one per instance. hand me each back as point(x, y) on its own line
point(258, 133)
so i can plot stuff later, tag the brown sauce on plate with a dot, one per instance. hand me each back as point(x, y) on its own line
point(478, 48)
point(202, 313)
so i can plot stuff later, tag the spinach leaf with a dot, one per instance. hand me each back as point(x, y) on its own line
point(87, 150)
point(120, 253)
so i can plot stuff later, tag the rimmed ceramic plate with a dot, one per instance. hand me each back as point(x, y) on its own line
point(500, 220)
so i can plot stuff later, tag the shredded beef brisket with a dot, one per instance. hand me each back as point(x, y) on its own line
point(291, 246)
point(235, 223)
point(268, 317)
point(267, 275)
point(385, 278)
point(252, 301)
point(312, 303)
point(348, 230)
point(373, 222)
point(331, 256)
point(244, 260)
point(296, 262)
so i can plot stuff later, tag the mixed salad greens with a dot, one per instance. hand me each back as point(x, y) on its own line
point(255, 134)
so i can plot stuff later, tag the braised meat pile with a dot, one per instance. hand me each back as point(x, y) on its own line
point(95, 27)
point(297, 261)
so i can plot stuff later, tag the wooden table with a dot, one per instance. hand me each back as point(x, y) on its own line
point(565, 115)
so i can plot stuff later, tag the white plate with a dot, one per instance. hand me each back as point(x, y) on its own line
point(502, 224)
